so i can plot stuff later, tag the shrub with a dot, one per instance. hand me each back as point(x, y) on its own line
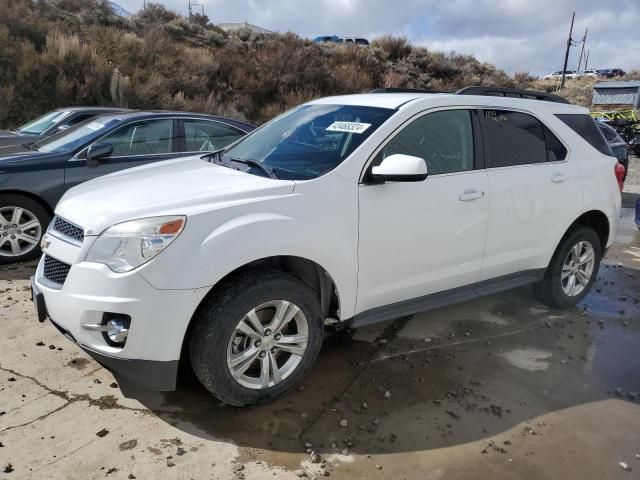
point(59, 53)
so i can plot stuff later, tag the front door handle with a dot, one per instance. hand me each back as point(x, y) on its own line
point(471, 194)
point(558, 178)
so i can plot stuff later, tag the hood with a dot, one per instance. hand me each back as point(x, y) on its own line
point(174, 187)
point(29, 160)
point(11, 138)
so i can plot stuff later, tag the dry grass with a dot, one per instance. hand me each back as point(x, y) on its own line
point(57, 53)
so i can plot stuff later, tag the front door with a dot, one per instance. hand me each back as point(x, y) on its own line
point(419, 238)
point(133, 144)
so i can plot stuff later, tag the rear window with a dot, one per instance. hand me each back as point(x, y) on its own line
point(586, 127)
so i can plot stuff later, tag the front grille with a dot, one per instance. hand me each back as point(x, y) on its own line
point(67, 229)
point(54, 270)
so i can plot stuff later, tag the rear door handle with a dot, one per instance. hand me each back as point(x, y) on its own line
point(471, 194)
point(558, 178)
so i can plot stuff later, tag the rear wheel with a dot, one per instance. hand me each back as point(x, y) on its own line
point(256, 337)
point(572, 270)
point(22, 224)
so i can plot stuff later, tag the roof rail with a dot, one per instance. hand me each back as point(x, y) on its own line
point(403, 90)
point(512, 92)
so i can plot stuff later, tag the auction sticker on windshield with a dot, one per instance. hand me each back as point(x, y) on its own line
point(348, 127)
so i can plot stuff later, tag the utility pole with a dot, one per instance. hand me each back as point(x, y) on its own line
point(566, 55)
point(586, 59)
point(191, 5)
point(584, 42)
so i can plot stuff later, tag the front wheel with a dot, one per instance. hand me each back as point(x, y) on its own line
point(572, 270)
point(256, 337)
point(22, 223)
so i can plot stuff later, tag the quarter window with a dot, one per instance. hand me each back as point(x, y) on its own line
point(142, 138)
point(204, 136)
point(443, 139)
point(586, 127)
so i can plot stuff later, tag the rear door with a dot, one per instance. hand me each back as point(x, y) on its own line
point(202, 136)
point(136, 143)
point(535, 191)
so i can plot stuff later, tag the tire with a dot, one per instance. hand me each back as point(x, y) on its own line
point(31, 211)
point(551, 290)
point(215, 341)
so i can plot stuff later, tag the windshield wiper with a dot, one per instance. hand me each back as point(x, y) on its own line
point(254, 163)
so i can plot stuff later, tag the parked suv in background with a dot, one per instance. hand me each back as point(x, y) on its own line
point(33, 178)
point(50, 123)
point(356, 209)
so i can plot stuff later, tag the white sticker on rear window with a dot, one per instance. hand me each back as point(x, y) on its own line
point(348, 127)
point(94, 126)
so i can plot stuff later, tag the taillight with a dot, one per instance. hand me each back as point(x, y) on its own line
point(619, 171)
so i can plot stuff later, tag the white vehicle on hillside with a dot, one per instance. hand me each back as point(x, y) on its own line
point(569, 74)
point(357, 209)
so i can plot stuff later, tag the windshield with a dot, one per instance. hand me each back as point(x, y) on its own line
point(76, 136)
point(308, 141)
point(39, 125)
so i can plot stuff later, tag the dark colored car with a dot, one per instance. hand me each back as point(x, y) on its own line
point(33, 178)
point(50, 123)
point(617, 144)
point(612, 72)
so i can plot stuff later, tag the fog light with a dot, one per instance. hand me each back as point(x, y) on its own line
point(117, 331)
point(114, 328)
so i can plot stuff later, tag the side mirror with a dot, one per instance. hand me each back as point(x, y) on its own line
point(98, 151)
point(62, 128)
point(399, 168)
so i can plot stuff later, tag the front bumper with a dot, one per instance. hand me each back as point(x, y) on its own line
point(159, 321)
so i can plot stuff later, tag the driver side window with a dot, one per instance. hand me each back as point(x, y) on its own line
point(443, 139)
point(142, 138)
point(205, 136)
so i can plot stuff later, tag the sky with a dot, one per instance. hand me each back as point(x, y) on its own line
point(514, 35)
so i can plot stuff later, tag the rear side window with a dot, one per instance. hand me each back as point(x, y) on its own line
point(555, 149)
point(513, 138)
point(586, 127)
point(203, 135)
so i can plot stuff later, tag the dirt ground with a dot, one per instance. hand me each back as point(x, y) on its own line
point(499, 387)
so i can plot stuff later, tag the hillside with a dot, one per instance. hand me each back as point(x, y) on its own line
point(56, 53)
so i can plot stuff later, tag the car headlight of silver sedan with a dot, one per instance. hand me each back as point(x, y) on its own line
point(128, 245)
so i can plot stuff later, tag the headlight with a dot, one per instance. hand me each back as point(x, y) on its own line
point(128, 245)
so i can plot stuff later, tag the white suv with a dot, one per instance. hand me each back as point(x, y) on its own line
point(358, 209)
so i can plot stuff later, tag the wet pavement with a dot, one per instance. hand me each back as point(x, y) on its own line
point(499, 387)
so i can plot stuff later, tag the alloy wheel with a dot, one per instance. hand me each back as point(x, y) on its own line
point(267, 344)
point(20, 231)
point(577, 268)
